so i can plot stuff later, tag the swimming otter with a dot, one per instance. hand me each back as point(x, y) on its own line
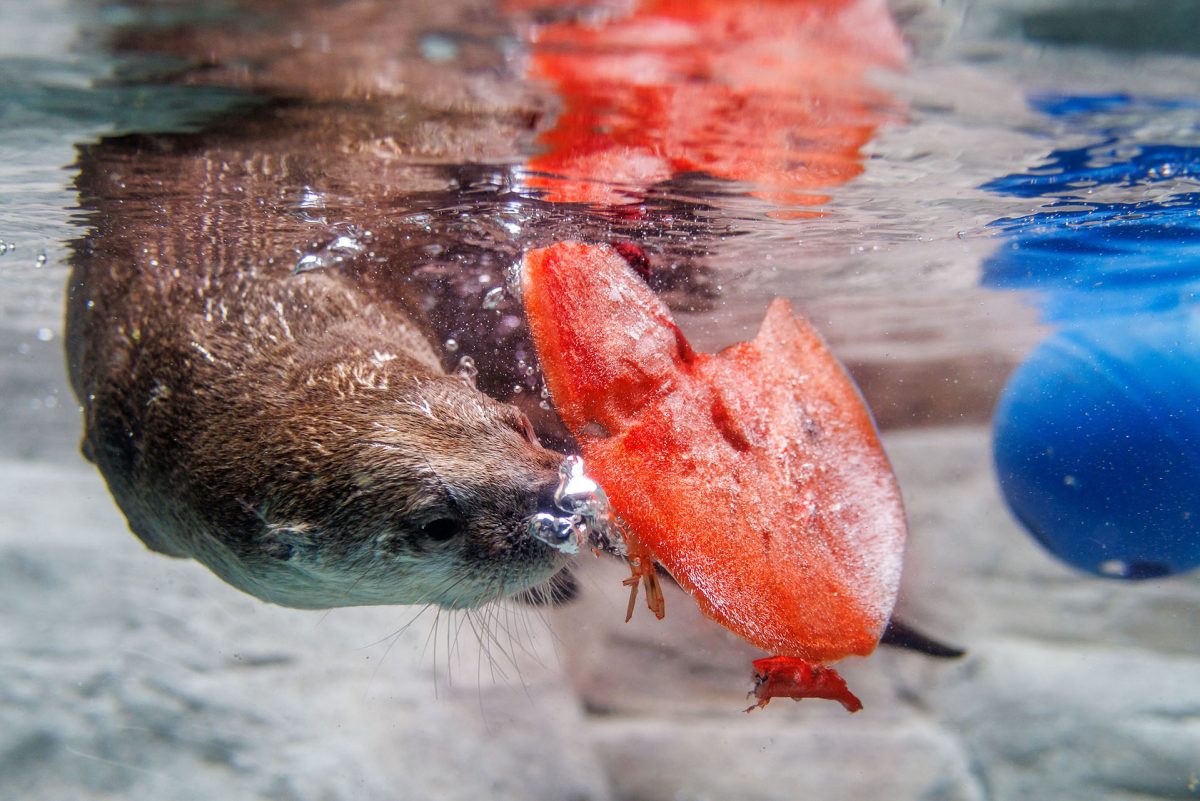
point(297, 437)
point(287, 422)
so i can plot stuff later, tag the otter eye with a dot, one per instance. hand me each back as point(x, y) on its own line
point(441, 529)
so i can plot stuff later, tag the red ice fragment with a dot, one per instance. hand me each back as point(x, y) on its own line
point(788, 677)
point(754, 476)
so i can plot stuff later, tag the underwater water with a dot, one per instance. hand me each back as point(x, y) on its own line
point(990, 210)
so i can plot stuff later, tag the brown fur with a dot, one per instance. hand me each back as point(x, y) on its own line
point(297, 432)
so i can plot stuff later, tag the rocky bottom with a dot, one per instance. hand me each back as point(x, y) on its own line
point(129, 675)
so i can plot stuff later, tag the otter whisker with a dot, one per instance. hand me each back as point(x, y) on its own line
point(516, 645)
point(444, 589)
point(493, 612)
point(495, 627)
point(520, 617)
point(460, 615)
point(485, 651)
point(392, 636)
point(504, 617)
point(446, 586)
point(479, 627)
point(510, 652)
point(431, 638)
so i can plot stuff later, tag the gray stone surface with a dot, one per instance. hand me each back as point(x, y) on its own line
point(782, 759)
point(129, 675)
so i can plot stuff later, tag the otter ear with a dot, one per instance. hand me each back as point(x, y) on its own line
point(561, 588)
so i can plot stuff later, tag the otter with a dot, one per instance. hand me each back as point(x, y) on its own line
point(299, 438)
point(251, 343)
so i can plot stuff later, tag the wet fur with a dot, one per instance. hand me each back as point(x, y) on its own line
point(295, 432)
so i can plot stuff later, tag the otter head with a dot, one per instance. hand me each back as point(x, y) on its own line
point(417, 490)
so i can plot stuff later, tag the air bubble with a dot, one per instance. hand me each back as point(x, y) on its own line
point(343, 248)
point(586, 508)
point(493, 298)
point(467, 370)
point(512, 279)
point(560, 533)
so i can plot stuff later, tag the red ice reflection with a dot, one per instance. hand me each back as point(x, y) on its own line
point(774, 94)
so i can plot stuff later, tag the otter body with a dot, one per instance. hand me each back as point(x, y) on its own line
point(304, 443)
point(294, 429)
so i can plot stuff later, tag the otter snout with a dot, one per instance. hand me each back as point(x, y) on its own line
point(546, 498)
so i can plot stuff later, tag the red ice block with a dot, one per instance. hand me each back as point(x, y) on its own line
point(754, 476)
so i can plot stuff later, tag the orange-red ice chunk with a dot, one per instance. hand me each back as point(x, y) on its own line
point(754, 476)
point(786, 677)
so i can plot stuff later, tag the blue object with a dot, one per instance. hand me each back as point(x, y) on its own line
point(1097, 434)
point(1097, 445)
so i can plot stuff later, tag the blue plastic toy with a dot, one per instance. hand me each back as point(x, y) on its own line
point(1097, 434)
point(1097, 445)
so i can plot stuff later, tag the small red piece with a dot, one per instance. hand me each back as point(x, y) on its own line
point(789, 677)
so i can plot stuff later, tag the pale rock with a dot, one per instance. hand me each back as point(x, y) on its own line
point(782, 760)
point(130, 675)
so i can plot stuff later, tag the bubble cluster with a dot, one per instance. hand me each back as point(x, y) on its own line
point(587, 515)
point(493, 298)
point(342, 249)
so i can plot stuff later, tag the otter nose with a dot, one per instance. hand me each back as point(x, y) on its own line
point(545, 499)
point(552, 525)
